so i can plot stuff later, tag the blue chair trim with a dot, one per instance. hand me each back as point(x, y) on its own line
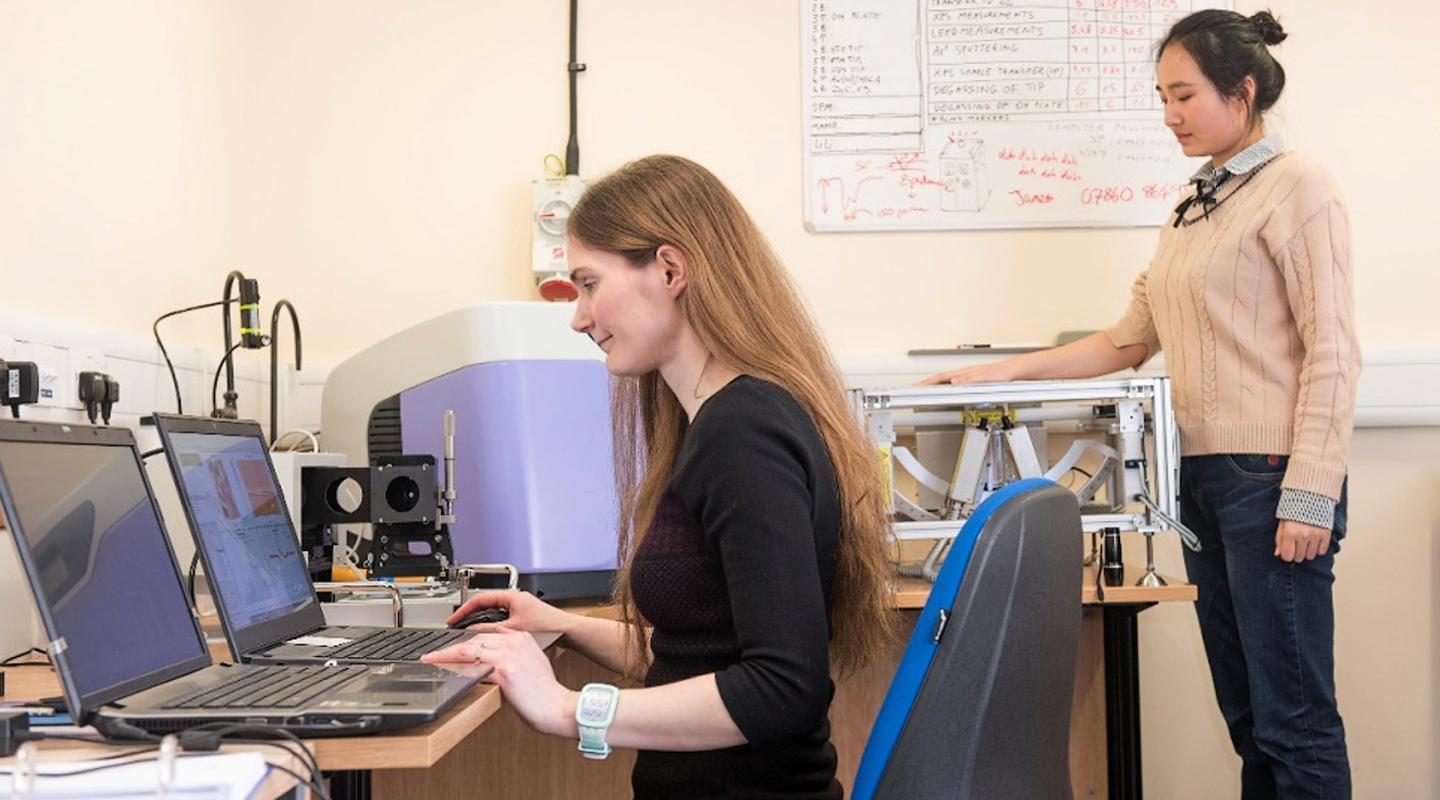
point(915, 663)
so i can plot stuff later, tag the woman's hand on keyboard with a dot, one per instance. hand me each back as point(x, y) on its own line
point(522, 671)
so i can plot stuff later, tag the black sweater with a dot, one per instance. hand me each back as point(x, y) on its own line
point(734, 574)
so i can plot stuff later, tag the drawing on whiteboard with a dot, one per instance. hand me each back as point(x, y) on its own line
point(962, 170)
point(943, 114)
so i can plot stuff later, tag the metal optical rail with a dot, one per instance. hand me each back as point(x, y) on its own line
point(1127, 425)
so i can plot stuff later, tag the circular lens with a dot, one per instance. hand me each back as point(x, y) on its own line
point(343, 496)
point(402, 494)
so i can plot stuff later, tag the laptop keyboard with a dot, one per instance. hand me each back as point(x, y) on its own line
point(270, 687)
point(396, 644)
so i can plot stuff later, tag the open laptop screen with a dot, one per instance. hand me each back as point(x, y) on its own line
point(96, 552)
point(236, 508)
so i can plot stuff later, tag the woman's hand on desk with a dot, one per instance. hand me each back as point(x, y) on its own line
point(522, 671)
point(998, 372)
point(1087, 357)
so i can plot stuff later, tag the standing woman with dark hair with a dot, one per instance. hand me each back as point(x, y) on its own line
point(753, 522)
point(1249, 294)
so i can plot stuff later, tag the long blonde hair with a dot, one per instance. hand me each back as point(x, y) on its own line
point(747, 314)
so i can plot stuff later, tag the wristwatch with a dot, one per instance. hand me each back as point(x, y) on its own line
point(594, 713)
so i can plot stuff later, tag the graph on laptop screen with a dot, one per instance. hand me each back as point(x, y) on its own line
point(249, 540)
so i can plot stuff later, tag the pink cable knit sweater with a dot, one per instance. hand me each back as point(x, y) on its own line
point(1254, 310)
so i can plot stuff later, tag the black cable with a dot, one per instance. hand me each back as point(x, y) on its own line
point(1070, 482)
point(36, 735)
point(275, 360)
point(68, 737)
point(155, 328)
point(190, 581)
point(157, 451)
point(230, 279)
point(207, 737)
point(315, 784)
point(316, 781)
point(115, 757)
point(215, 385)
point(1099, 584)
point(572, 147)
point(275, 732)
point(10, 662)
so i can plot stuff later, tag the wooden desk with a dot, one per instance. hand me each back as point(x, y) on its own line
point(505, 759)
point(30, 682)
point(419, 747)
point(1120, 636)
point(413, 748)
point(481, 748)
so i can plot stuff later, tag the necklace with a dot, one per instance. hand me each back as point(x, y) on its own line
point(701, 378)
point(1205, 197)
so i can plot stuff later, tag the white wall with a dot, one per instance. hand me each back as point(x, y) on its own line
point(1387, 645)
point(117, 159)
point(371, 162)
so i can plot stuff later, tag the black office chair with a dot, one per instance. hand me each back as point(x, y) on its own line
point(980, 706)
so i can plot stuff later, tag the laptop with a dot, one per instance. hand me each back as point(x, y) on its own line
point(126, 645)
point(247, 542)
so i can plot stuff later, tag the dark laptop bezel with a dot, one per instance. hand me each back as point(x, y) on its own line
point(81, 706)
point(253, 639)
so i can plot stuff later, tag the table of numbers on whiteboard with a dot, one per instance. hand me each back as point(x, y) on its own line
point(939, 114)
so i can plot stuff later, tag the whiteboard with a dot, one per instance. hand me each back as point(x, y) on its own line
point(949, 114)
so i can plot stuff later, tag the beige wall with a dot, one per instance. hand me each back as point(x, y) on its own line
point(371, 162)
point(1387, 642)
point(118, 149)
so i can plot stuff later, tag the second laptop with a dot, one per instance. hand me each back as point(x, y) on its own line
point(251, 553)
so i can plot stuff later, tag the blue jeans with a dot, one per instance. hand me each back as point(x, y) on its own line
point(1268, 627)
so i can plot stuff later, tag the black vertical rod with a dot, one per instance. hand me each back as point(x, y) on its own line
point(275, 361)
point(572, 147)
point(1122, 700)
point(230, 279)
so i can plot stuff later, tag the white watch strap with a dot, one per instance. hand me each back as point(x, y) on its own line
point(592, 742)
point(593, 714)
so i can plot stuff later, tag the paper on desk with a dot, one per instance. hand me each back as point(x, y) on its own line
point(230, 776)
point(320, 641)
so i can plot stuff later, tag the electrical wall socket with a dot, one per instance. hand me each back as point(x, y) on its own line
point(62, 350)
point(85, 360)
point(57, 372)
point(551, 200)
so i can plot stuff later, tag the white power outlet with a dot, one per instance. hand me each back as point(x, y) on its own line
point(56, 365)
point(551, 200)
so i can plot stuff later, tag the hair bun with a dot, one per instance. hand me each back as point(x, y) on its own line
point(1268, 26)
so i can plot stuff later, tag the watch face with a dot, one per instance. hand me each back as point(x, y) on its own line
point(594, 706)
